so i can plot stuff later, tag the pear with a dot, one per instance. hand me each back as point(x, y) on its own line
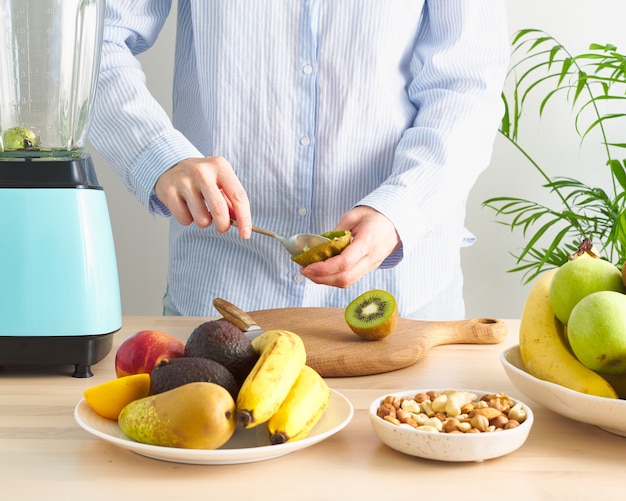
point(578, 278)
point(197, 415)
point(597, 332)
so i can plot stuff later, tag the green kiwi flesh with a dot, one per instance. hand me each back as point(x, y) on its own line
point(373, 315)
point(338, 241)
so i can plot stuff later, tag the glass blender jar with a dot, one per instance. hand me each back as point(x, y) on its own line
point(50, 55)
point(59, 293)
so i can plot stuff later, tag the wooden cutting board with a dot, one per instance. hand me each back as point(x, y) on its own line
point(335, 351)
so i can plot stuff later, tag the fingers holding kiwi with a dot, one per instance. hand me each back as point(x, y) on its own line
point(373, 315)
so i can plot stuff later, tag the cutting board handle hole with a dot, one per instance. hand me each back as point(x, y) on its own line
point(487, 321)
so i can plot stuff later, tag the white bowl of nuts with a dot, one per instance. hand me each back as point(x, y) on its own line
point(451, 425)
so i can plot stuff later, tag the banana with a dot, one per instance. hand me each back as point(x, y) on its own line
point(281, 358)
point(301, 410)
point(544, 349)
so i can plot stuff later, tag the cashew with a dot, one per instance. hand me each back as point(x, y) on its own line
point(427, 408)
point(411, 406)
point(430, 429)
point(435, 423)
point(439, 404)
point(517, 413)
point(420, 418)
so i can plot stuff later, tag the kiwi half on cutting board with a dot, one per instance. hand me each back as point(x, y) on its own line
point(373, 315)
point(338, 240)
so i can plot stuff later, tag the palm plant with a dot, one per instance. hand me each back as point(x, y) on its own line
point(590, 82)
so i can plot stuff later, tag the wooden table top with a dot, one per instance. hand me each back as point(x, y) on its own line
point(44, 454)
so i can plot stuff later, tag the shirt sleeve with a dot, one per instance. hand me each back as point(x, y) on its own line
point(458, 68)
point(148, 144)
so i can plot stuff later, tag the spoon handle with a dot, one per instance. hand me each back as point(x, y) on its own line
point(256, 229)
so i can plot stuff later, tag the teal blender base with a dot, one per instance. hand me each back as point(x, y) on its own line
point(59, 290)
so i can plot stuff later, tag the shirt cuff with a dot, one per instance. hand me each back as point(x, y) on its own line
point(162, 154)
point(393, 259)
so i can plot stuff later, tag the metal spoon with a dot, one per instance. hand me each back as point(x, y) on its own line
point(294, 244)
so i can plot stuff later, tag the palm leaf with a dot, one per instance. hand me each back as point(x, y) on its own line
point(589, 82)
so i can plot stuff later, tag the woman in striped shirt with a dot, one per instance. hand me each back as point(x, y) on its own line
point(304, 116)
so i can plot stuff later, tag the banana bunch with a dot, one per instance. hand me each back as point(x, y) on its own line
point(282, 389)
point(544, 348)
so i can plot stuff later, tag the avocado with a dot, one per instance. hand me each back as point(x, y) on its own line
point(223, 342)
point(176, 372)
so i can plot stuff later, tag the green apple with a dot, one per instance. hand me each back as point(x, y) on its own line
point(597, 332)
point(578, 278)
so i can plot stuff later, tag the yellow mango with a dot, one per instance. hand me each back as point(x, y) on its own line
point(109, 398)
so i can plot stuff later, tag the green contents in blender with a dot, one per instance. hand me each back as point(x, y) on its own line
point(19, 138)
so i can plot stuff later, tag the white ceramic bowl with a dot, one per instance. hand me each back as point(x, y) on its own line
point(606, 413)
point(457, 447)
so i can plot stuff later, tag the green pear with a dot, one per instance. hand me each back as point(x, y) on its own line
point(198, 415)
point(578, 278)
point(597, 332)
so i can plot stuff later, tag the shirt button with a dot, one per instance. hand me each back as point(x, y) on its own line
point(305, 140)
point(302, 211)
point(307, 69)
point(298, 278)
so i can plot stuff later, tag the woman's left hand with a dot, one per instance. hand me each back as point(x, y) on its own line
point(374, 238)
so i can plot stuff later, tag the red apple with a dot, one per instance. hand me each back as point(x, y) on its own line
point(144, 350)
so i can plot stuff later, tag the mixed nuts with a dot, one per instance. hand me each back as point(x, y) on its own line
point(453, 411)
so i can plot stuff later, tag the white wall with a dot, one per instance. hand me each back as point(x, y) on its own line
point(489, 289)
point(141, 240)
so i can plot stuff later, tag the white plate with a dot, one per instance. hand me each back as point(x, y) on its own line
point(606, 413)
point(245, 446)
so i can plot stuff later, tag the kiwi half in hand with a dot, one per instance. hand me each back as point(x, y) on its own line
point(338, 241)
point(373, 315)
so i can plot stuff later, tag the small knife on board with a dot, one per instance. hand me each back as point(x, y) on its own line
point(238, 318)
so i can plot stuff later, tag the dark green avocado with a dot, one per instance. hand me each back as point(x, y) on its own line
point(223, 342)
point(171, 374)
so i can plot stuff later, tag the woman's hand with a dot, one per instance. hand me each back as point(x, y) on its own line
point(205, 191)
point(374, 238)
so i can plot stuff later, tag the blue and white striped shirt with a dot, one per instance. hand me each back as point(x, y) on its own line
point(319, 105)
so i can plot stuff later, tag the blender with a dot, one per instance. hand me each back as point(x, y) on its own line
point(59, 289)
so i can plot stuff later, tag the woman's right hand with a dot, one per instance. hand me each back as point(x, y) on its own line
point(205, 191)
